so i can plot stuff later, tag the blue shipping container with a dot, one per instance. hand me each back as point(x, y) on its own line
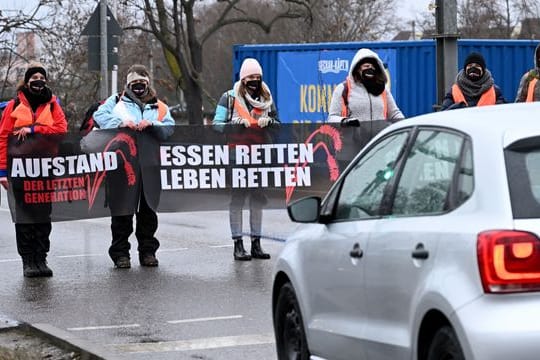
point(302, 76)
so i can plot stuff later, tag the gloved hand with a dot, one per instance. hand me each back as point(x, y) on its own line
point(241, 121)
point(4, 182)
point(143, 124)
point(350, 122)
point(264, 121)
point(129, 124)
point(458, 105)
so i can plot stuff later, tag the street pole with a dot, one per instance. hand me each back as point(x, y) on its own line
point(151, 60)
point(114, 79)
point(103, 49)
point(446, 36)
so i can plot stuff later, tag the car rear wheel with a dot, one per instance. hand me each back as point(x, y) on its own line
point(290, 336)
point(445, 346)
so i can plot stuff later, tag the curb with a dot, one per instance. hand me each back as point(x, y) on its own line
point(58, 337)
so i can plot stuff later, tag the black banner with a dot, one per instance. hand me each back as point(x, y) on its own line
point(182, 168)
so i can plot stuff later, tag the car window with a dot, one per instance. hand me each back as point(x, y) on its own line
point(466, 178)
point(532, 164)
point(523, 171)
point(363, 186)
point(428, 172)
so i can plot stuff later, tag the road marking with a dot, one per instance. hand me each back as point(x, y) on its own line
point(197, 344)
point(220, 246)
point(171, 250)
point(9, 260)
point(104, 327)
point(78, 255)
point(205, 319)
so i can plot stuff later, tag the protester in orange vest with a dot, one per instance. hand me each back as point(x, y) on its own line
point(35, 110)
point(529, 87)
point(248, 104)
point(363, 96)
point(474, 86)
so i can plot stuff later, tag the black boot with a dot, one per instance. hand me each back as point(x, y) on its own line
point(239, 252)
point(30, 268)
point(256, 250)
point(41, 264)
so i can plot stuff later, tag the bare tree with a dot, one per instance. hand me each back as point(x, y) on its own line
point(11, 22)
point(182, 35)
point(487, 18)
point(527, 8)
point(346, 20)
point(484, 19)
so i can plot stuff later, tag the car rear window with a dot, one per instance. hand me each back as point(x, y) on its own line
point(523, 171)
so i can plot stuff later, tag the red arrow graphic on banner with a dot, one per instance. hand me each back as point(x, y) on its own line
point(333, 168)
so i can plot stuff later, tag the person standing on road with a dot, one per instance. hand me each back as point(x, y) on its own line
point(529, 86)
point(363, 95)
point(33, 111)
point(139, 109)
point(474, 86)
point(248, 104)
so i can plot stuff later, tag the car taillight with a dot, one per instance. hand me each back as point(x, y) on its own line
point(509, 261)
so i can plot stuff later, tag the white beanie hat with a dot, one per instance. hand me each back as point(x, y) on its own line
point(132, 76)
point(250, 66)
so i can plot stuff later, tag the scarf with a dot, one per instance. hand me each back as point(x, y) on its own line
point(43, 97)
point(474, 89)
point(263, 104)
point(374, 87)
point(149, 98)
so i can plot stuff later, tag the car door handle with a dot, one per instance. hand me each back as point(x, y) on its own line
point(419, 252)
point(356, 252)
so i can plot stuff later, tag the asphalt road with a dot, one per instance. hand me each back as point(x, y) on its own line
point(198, 304)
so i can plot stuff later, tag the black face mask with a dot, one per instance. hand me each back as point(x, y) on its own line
point(254, 86)
point(368, 74)
point(474, 73)
point(36, 86)
point(139, 89)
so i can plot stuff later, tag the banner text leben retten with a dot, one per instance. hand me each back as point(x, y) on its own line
point(238, 166)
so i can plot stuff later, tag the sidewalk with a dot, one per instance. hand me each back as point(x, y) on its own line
point(21, 341)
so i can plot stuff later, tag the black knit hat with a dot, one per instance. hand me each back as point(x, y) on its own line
point(32, 69)
point(475, 57)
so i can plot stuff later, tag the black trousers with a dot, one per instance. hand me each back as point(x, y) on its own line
point(122, 228)
point(33, 239)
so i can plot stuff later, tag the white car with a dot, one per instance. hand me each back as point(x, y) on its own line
point(426, 248)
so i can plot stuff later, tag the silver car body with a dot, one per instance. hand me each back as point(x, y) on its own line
point(373, 307)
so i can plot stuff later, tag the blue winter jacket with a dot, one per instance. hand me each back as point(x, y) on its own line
point(112, 113)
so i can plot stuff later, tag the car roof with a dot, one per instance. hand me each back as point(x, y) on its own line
point(507, 121)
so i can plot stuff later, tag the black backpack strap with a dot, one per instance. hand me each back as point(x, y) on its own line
point(345, 96)
point(230, 107)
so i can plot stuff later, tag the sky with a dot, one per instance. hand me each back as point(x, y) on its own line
point(406, 9)
point(409, 9)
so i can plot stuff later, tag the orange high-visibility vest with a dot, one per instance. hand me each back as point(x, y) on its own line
point(530, 90)
point(345, 100)
point(245, 114)
point(487, 98)
point(161, 110)
point(24, 117)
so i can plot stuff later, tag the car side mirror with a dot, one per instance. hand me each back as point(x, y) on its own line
point(305, 210)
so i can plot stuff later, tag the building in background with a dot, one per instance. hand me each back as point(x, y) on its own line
point(14, 56)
